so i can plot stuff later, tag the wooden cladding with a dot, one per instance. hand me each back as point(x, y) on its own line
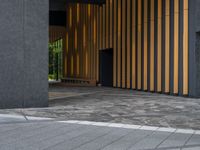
point(82, 38)
point(149, 40)
point(185, 47)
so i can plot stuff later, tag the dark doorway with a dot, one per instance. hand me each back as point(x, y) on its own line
point(106, 67)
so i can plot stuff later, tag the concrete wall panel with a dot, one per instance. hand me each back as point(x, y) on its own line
point(23, 53)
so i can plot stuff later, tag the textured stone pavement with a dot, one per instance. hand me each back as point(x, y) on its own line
point(83, 135)
point(118, 106)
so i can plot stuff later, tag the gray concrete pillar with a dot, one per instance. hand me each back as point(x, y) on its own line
point(194, 48)
point(24, 53)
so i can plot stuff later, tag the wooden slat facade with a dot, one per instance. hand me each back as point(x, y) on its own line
point(146, 41)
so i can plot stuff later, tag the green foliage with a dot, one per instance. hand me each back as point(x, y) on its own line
point(55, 59)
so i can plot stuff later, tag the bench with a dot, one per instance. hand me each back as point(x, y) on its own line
point(78, 81)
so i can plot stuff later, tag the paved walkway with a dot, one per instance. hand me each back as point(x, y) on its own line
point(84, 135)
point(118, 106)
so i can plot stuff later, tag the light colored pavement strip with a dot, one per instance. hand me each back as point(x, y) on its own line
point(62, 95)
point(128, 126)
point(17, 118)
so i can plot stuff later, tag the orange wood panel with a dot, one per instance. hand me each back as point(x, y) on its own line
point(167, 46)
point(98, 39)
point(95, 42)
point(107, 22)
point(111, 23)
point(159, 48)
point(133, 44)
point(139, 46)
point(185, 47)
point(119, 45)
point(104, 26)
point(128, 61)
point(145, 36)
point(115, 45)
point(152, 36)
point(176, 45)
point(78, 67)
point(123, 43)
point(101, 28)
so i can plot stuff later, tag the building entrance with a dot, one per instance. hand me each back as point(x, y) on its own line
point(106, 67)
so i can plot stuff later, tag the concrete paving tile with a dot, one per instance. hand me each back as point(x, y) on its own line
point(4, 129)
point(15, 133)
point(29, 132)
point(128, 141)
point(175, 140)
point(192, 148)
point(103, 141)
point(54, 141)
point(13, 147)
point(94, 133)
point(47, 138)
point(151, 141)
point(194, 140)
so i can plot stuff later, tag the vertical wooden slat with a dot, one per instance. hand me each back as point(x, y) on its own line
point(107, 23)
point(185, 47)
point(84, 40)
point(145, 36)
point(78, 12)
point(98, 39)
point(89, 39)
point(133, 44)
point(123, 43)
point(95, 42)
point(101, 27)
point(78, 35)
point(70, 17)
point(159, 47)
point(91, 22)
point(104, 27)
point(86, 65)
point(80, 40)
point(78, 67)
point(128, 61)
point(66, 54)
point(111, 23)
point(152, 46)
point(119, 45)
point(139, 46)
point(72, 65)
point(115, 45)
point(176, 44)
point(167, 46)
point(74, 40)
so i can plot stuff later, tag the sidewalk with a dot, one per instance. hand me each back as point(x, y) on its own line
point(45, 134)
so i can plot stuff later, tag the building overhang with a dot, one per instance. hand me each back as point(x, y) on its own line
point(87, 1)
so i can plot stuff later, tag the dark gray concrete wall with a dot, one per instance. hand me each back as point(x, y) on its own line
point(23, 53)
point(194, 48)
